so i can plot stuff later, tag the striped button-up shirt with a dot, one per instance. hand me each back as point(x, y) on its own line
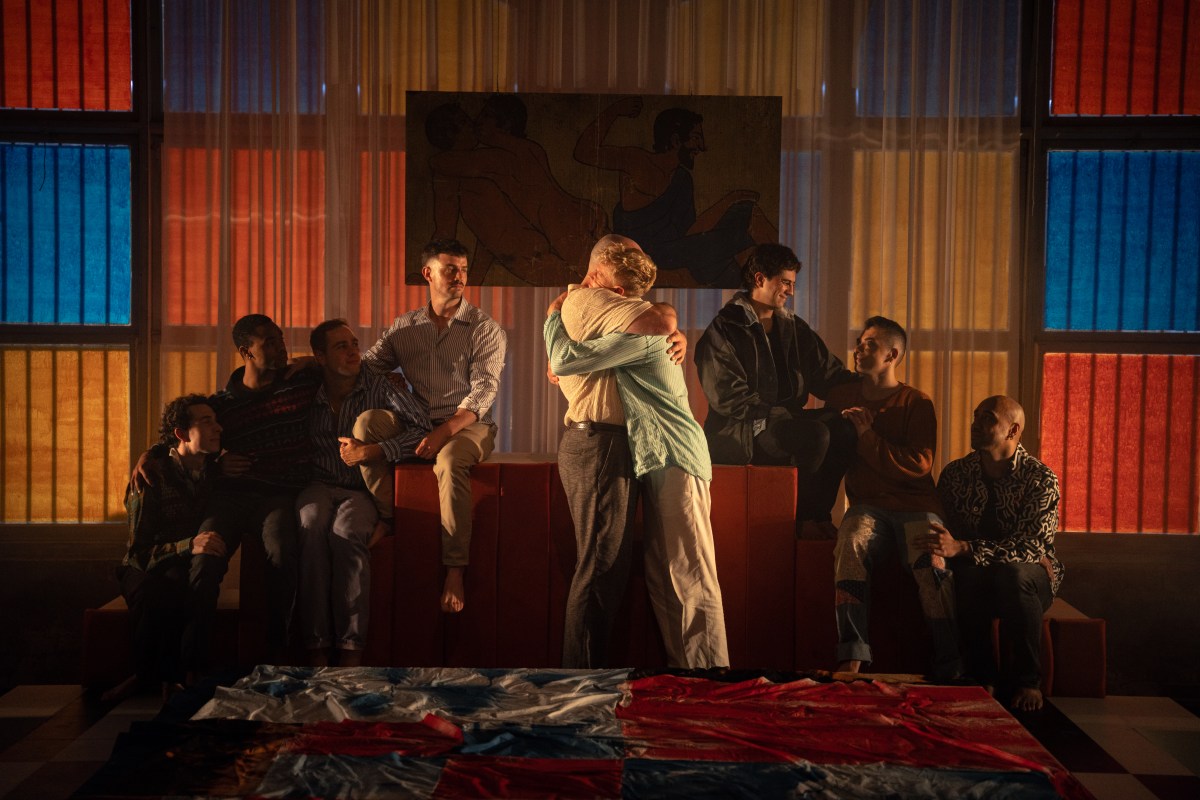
point(324, 427)
point(448, 370)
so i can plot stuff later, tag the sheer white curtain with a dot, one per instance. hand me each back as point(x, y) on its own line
point(283, 168)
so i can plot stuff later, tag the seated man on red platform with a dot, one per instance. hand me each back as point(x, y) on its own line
point(171, 612)
point(758, 363)
point(1001, 516)
point(451, 354)
point(265, 462)
point(359, 424)
point(892, 499)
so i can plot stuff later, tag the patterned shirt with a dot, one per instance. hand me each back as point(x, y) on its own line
point(324, 426)
point(662, 430)
point(269, 426)
point(164, 518)
point(1026, 502)
point(448, 370)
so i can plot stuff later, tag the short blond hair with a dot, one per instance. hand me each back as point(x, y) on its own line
point(633, 270)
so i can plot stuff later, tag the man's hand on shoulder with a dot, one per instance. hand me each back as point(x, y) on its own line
point(234, 464)
point(145, 472)
point(677, 345)
point(299, 364)
point(557, 304)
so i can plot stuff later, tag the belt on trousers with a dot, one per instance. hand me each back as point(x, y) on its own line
point(597, 427)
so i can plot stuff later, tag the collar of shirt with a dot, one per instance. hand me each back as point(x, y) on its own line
point(192, 476)
point(464, 314)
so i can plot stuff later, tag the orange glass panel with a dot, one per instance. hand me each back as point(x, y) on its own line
point(275, 235)
point(65, 425)
point(66, 54)
point(1121, 432)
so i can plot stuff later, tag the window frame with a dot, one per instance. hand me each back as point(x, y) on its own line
point(1043, 132)
point(140, 130)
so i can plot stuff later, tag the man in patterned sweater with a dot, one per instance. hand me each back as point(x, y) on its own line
point(1001, 516)
point(263, 412)
point(171, 614)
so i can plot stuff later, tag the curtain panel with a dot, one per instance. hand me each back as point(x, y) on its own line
point(284, 165)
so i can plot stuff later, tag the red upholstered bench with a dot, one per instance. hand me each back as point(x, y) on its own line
point(108, 643)
point(777, 591)
point(523, 557)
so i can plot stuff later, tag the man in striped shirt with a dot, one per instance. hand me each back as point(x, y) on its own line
point(669, 456)
point(359, 424)
point(451, 354)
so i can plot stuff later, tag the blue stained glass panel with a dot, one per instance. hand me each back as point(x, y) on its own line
point(209, 45)
point(961, 66)
point(65, 234)
point(1123, 240)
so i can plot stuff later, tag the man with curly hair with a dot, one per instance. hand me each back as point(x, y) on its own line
point(171, 608)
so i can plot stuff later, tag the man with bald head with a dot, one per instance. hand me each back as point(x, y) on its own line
point(1001, 509)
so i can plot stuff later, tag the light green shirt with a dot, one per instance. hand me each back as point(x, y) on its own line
point(662, 430)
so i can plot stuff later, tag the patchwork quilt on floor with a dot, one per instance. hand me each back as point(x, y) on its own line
point(452, 733)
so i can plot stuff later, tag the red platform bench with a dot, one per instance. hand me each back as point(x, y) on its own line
point(777, 591)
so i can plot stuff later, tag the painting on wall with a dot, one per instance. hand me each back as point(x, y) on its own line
point(529, 182)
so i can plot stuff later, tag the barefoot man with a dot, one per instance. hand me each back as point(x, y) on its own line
point(1001, 509)
point(451, 353)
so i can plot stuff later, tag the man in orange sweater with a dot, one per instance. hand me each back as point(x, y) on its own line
point(892, 499)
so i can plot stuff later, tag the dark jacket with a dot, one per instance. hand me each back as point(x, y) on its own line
point(736, 368)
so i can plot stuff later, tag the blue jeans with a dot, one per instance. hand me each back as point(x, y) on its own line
point(867, 535)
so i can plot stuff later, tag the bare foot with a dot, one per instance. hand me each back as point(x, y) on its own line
point(383, 529)
point(453, 594)
point(350, 658)
point(1027, 699)
point(852, 665)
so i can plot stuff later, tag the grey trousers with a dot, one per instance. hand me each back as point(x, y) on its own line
point(597, 475)
point(335, 566)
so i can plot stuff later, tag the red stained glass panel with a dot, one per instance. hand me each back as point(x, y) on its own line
point(66, 54)
point(1126, 57)
point(1121, 432)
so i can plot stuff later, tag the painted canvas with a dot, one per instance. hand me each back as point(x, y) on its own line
point(528, 182)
